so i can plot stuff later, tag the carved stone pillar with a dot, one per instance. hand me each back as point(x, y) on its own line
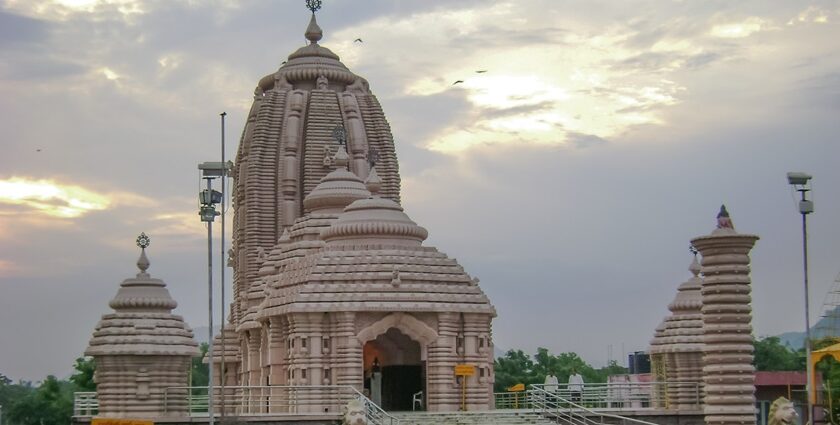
point(291, 143)
point(356, 141)
point(476, 343)
point(254, 369)
point(442, 387)
point(727, 325)
point(277, 344)
point(348, 364)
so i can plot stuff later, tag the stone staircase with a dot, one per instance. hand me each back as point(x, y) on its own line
point(490, 417)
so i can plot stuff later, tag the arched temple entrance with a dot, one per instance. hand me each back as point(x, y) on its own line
point(394, 369)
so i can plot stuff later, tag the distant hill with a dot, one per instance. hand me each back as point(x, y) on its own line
point(827, 326)
point(794, 340)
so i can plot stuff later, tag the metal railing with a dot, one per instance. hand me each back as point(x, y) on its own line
point(85, 404)
point(557, 408)
point(280, 400)
point(513, 400)
point(628, 395)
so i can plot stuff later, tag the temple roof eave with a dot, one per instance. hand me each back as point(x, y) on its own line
point(335, 307)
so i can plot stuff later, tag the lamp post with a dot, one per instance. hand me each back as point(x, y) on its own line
point(208, 198)
point(799, 181)
point(222, 265)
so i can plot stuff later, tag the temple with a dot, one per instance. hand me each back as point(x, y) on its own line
point(142, 351)
point(332, 282)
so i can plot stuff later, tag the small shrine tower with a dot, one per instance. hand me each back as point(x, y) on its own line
point(141, 349)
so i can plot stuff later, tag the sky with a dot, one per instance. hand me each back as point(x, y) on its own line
point(569, 177)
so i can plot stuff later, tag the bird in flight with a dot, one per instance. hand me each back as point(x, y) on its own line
point(458, 82)
point(481, 71)
point(37, 150)
point(358, 40)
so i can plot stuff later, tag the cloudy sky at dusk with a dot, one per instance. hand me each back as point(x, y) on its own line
point(569, 177)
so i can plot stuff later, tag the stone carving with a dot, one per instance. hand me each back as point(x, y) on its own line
point(359, 86)
point(327, 157)
point(281, 83)
point(782, 413)
point(354, 413)
point(322, 82)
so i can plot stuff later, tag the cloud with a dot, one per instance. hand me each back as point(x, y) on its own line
point(741, 29)
point(561, 78)
point(580, 140)
point(16, 30)
point(62, 200)
point(812, 14)
point(65, 10)
point(51, 198)
point(39, 68)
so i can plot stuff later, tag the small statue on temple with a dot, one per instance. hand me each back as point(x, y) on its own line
point(723, 220)
point(321, 83)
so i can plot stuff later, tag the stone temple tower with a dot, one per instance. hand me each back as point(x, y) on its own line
point(297, 114)
point(332, 282)
point(142, 350)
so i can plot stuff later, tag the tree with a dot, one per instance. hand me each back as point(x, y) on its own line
point(51, 403)
point(83, 376)
point(771, 355)
point(199, 372)
point(10, 393)
point(515, 367)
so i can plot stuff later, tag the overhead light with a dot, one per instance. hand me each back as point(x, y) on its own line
point(798, 179)
point(214, 168)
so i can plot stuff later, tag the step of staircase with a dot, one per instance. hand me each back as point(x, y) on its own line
point(490, 417)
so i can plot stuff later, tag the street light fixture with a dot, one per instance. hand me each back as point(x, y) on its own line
point(208, 198)
point(799, 181)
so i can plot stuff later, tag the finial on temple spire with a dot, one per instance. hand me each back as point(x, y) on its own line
point(313, 31)
point(143, 242)
point(313, 5)
point(723, 219)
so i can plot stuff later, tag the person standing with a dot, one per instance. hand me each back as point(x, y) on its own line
point(575, 386)
point(550, 383)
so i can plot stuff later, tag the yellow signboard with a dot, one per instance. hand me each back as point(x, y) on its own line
point(464, 370)
point(517, 387)
point(113, 421)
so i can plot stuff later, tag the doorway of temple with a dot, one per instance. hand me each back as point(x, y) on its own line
point(394, 370)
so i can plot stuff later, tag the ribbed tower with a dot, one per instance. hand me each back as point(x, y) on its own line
point(679, 342)
point(728, 372)
point(141, 349)
point(299, 115)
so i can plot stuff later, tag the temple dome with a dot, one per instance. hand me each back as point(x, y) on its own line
point(374, 219)
point(336, 190)
point(682, 330)
point(310, 62)
point(142, 322)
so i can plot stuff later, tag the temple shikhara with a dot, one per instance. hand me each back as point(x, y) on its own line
point(331, 278)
